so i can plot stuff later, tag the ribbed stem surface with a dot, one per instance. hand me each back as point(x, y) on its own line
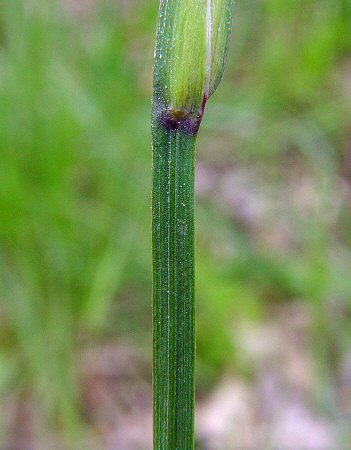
point(173, 288)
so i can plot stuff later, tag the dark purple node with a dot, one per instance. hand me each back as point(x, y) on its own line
point(185, 121)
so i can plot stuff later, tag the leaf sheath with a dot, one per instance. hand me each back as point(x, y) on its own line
point(173, 288)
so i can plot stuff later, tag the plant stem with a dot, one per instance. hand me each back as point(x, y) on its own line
point(191, 48)
point(173, 288)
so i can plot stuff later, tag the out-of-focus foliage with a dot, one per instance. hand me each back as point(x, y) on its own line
point(274, 171)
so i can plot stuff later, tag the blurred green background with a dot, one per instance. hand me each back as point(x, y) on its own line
point(273, 228)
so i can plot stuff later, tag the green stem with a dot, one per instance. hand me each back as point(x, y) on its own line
point(173, 288)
